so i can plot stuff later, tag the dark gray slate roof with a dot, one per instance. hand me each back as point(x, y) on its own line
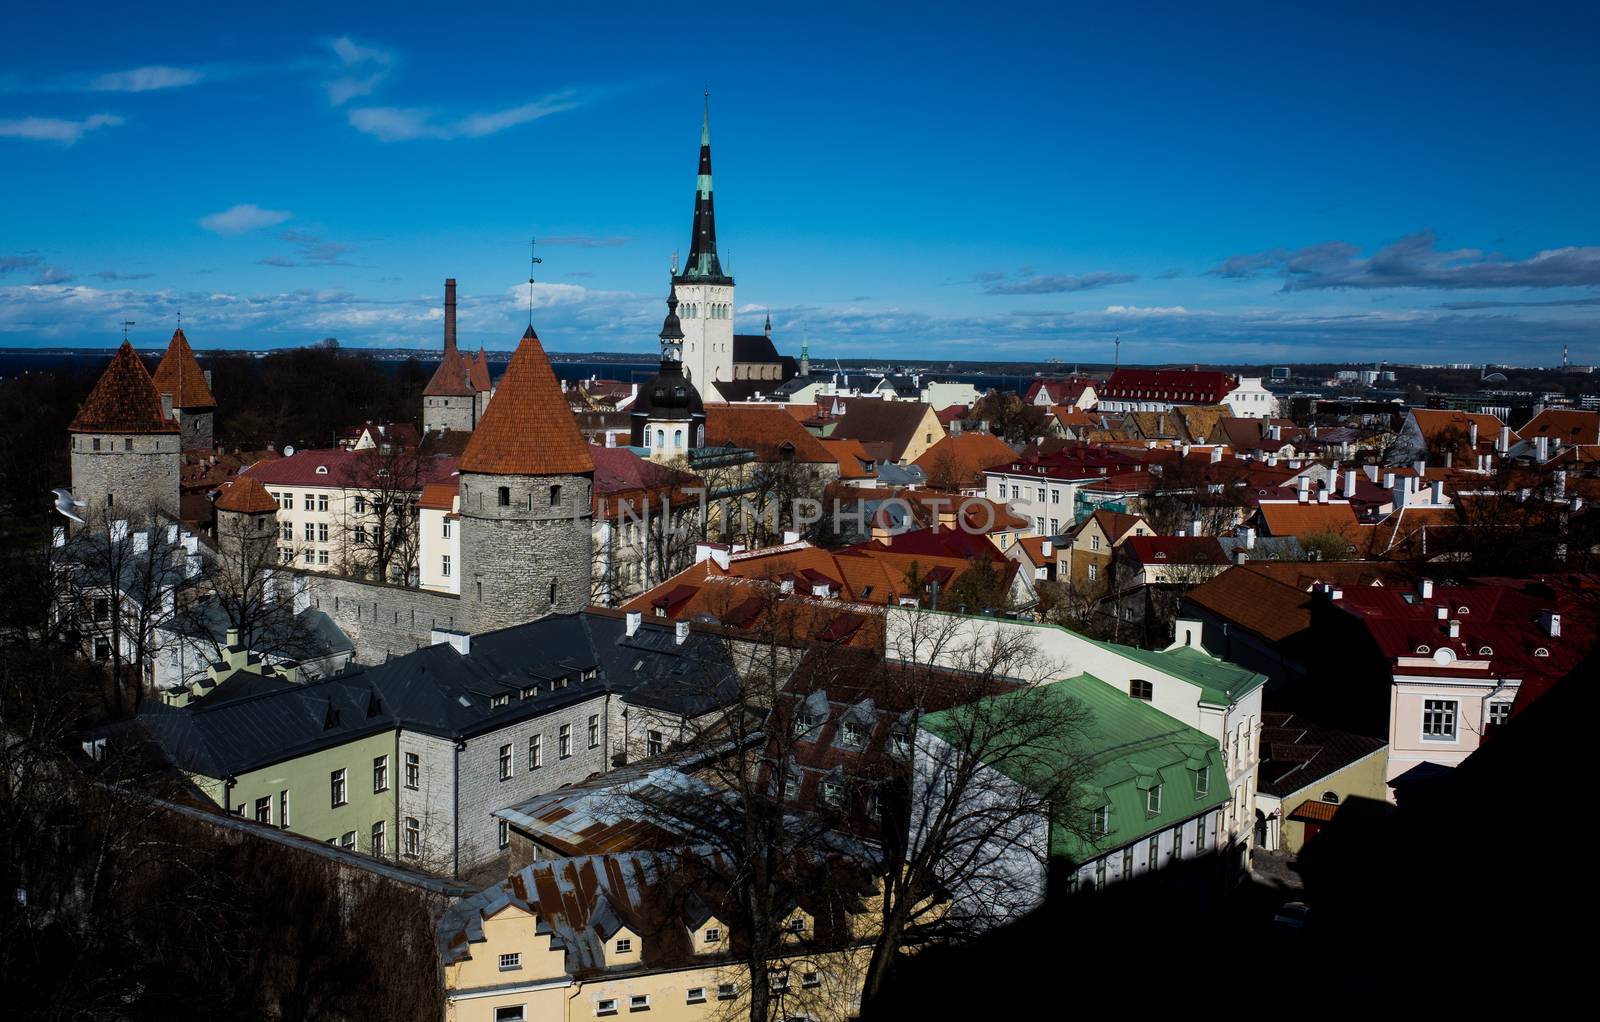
point(756, 348)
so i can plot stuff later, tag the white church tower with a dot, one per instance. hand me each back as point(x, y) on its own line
point(705, 293)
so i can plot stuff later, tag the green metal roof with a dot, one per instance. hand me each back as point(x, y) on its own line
point(1220, 682)
point(1131, 746)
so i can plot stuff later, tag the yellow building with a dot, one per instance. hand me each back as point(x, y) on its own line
point(1306, 774)
point(618, 935)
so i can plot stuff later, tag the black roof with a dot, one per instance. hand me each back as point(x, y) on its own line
point(755, 348)
point(1295, 754)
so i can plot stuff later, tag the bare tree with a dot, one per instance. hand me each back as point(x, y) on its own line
point(382, 487)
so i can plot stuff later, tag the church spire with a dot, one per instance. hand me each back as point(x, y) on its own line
point(702, 264)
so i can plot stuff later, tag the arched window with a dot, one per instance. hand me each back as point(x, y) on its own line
point(505, 496)
point(661, 438)
point(677, 439)
point(1331, 797)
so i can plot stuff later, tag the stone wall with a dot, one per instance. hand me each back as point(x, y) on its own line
point(383, 620)
point(195, 430)
point(448, 413)
point(128, 477)
point(514, 554)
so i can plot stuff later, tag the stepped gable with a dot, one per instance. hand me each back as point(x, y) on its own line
point(123, 401)
point(180, 375)
point(247, 495)
point(528, 430)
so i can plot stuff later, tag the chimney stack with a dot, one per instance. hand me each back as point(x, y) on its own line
point(1551, 622)
point(449, 314)
point(1504, 443)
point(1349, 483)
point(633, 620)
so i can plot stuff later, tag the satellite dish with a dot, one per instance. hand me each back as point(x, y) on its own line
point(288, 452)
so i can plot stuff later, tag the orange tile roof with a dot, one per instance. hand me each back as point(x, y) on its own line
point(528, 428)
point(1571, 425)
point(1292, 518)
point(453, 378)
point(764, 429)
point(124, 400)
point(439, 496)
point(180, 375)
point(957, 462)
point(1273, 598)
point(1434, 421)
point(247, 495)
point(479, 375)
point(853, 459)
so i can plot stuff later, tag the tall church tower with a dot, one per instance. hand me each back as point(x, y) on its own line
point(705, 293)
point(526, 482)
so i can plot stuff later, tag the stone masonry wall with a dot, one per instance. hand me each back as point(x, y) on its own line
point(196, 430)
point(383, 620)
point(448, 413)
point(511, 555)
point(138, 473)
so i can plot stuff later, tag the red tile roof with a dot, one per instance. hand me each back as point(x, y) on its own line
point(338, 467)
point(528, 428)
point(439, 496)
point(453, 378)
point(765, 429)
point(123, 401)
point(957, 462)
point(1570, 425)
point(247, 495)
point(1177, 385)
point(180, 375)
point(1176, 549)
point(479, 375)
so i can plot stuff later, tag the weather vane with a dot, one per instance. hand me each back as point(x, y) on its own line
point(533, 261)
point(125, 325)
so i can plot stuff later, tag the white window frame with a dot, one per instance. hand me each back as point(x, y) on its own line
point(1451, 707)
point(511, 961)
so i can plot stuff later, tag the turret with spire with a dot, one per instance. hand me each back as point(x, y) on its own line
point(704, 292)
point(668, 416)
point(703, 264)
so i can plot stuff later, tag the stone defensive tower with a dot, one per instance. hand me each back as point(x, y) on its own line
point(185, 391)
point(449, 401)
point(247, 524)
point(125, 451)
point(526, 482)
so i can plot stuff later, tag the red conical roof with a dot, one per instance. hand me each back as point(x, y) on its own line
point(247, 495)
point(528, 428)
point(124, 400)
point(181, 376)
point(480, 372)
point(452, 378)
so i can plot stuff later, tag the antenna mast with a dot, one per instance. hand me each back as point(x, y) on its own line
point(533, 261)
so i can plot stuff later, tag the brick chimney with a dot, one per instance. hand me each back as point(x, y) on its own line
point(449, 314)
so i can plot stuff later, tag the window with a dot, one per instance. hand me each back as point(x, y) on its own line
point(311, 531)
point(503, 833)
point(379, 844)
point(511, 962)
point(503, 497)
point(512, 1014)
point(1152, 800)
point(696, 995)
point(855, 736)
point(727, 991)
point(624, 946)
point(361, 505)
point(555, 496)
point(1127, 862)
point(605, 1006)
point(810, 979)
point(1094, 543)
point(1499, 713)
point(322, 532)
point(447, 528)
point(1177, 843)
point(1331, 797)
point(380, 774)
point(288, 531)
point(322, 502)
point(797, 924)
point(413, 770)
point(264, 809)
point(1202, 780)
point(639, 1002)
point(322, 557)
point(535, 752)
point(311, 502)
point(1439, 719)
point(505, 762)
point(361, 534)
point(1055, 496)
point(1142, 690)
point(102, 648)
point(96, 442)
point(1200, 843)
point(791, 786)
point(1100, 874)
point(713, 935)
point(564, 741)
point(347, 840)
point(594, 730)
point(1152, 854)
point(1094, 573)
point(444, 565)
point(1102, 820)
point(413, 837)
point(832, 793)
point(336, 787)
point(652, 743)
point(283, 808)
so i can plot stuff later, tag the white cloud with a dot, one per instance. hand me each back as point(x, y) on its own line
point(1146, 310)
point(145, 79)
point(366, 67)
point(55, 129)
point(242, 218)
point(405, 124)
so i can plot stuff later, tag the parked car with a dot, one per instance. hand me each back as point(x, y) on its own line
point(1292, 917)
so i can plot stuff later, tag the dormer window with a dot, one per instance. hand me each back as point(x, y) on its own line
point(713, 935)
point(322, 470)
point(1152, 800)
point(855, 736)
point(1101, 820)
point(624, 946)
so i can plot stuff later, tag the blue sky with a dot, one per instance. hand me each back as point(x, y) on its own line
point(971, 182)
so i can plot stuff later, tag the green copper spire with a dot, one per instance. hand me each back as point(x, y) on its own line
point(702, 264)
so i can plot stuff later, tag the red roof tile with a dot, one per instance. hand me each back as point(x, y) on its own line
point(247, 495)
point(180, 375)
point(479, 376)
point(528, 428)
point(123, 401)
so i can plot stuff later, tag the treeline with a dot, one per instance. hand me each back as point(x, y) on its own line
point(300, 396)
